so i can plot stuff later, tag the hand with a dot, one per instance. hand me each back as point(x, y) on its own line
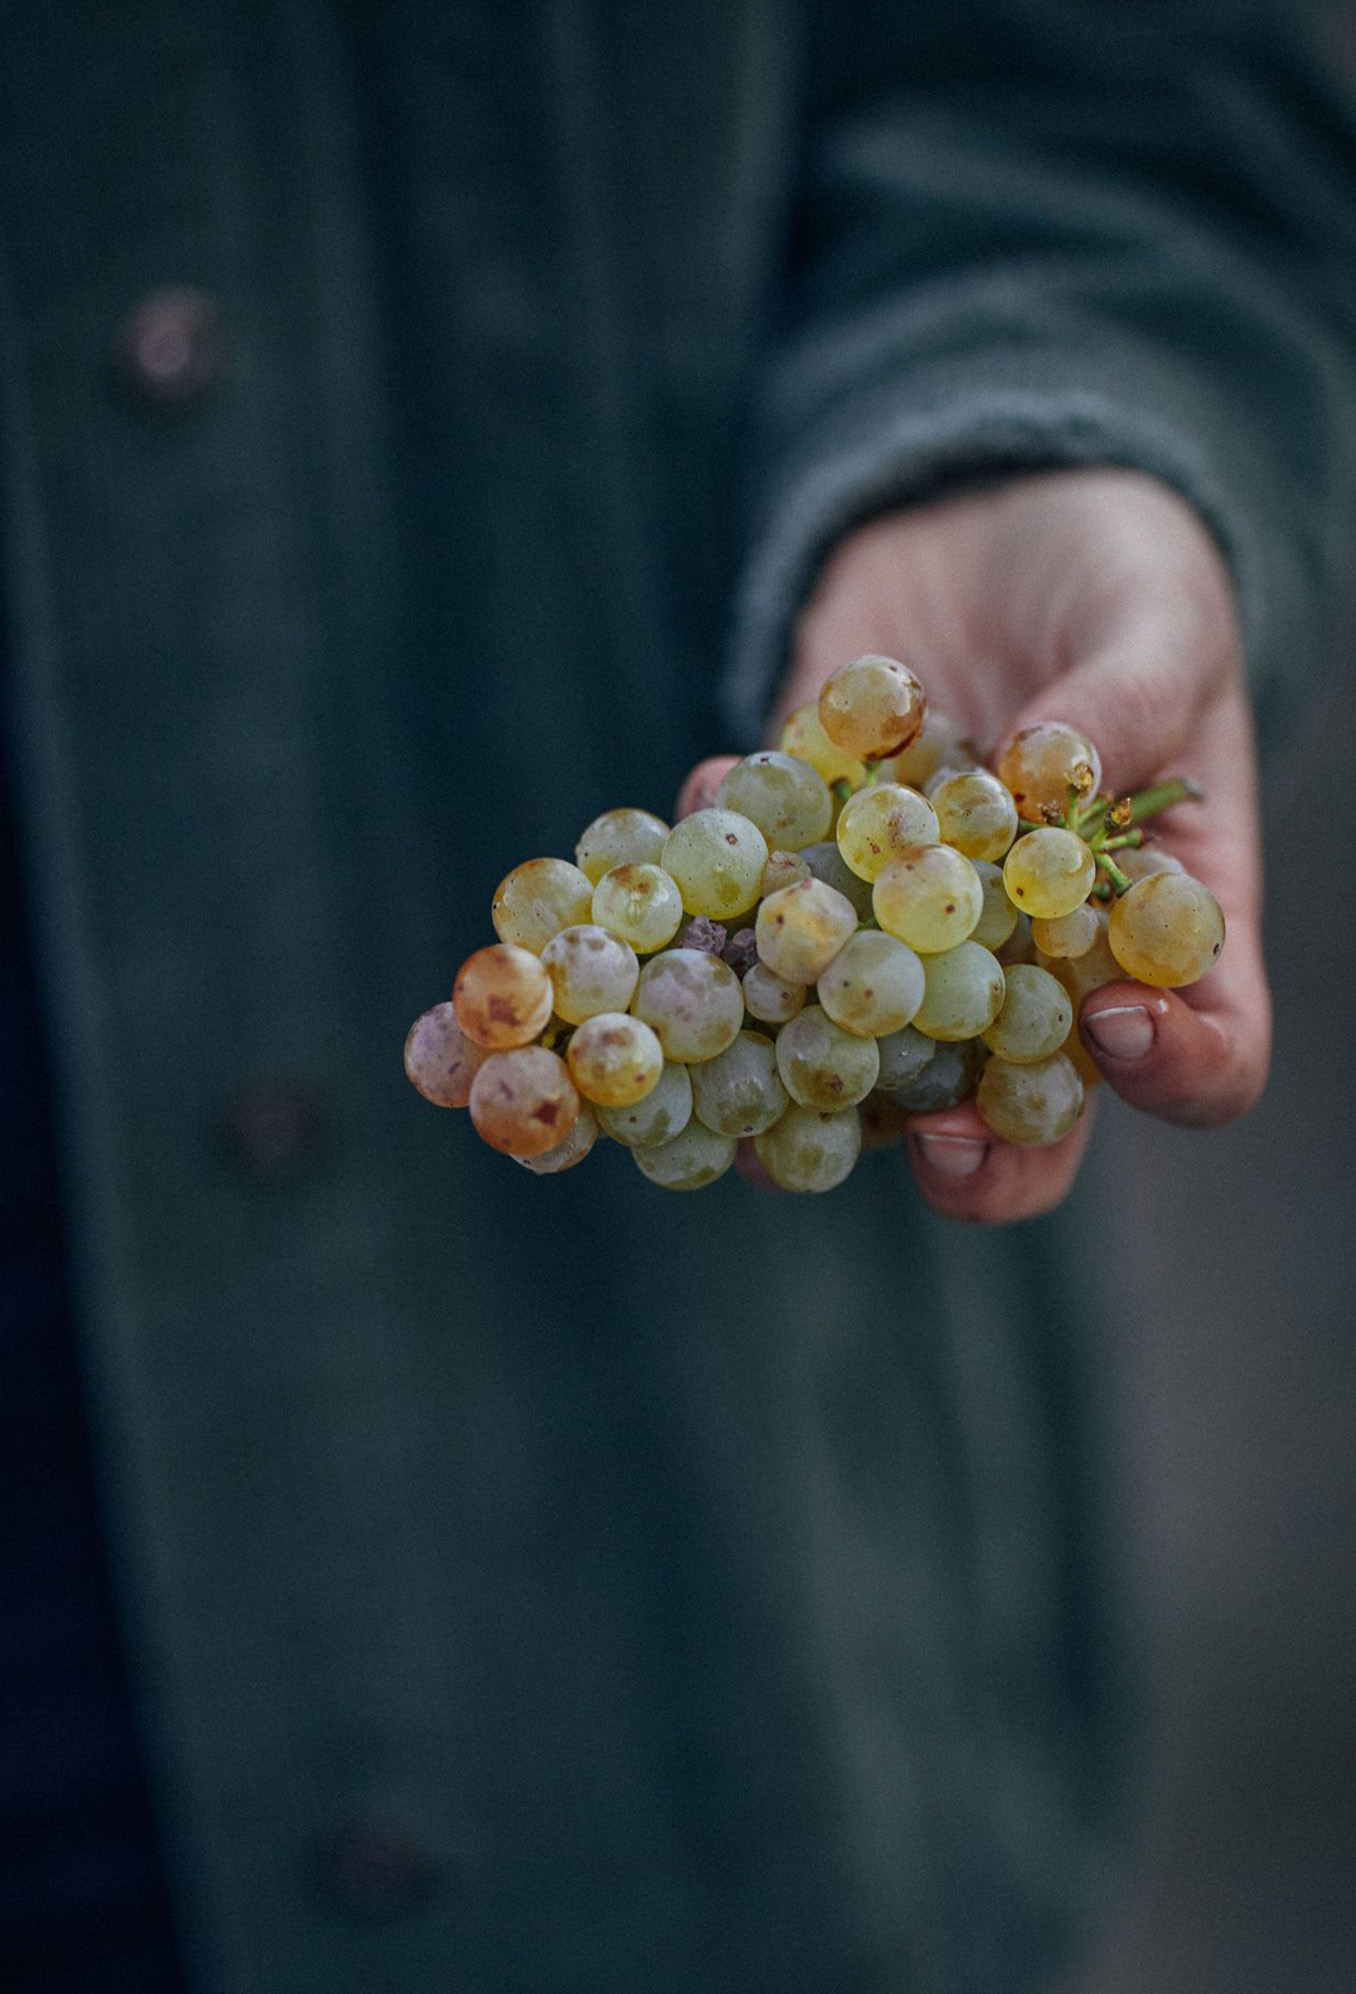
point(1096, 597)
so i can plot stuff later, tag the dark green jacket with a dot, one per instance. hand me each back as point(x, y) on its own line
point(549, 1586)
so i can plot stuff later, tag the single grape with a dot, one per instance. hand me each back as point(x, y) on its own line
point(997, 916)
point(879, 823)
point(440, 1059)
point(1019, 947)
point(614, 1059)
point(1070, 935)
point(590, 971)
point(1049, 872)
point(620, 837)
point(803, 736)
point(502, 997)
point(783, 869)
point(873, 986)
point(639, 904)
point(1141, 861)
point(538, 899)
point(821, 1065)
point(787, 799)
point(576, 1146)
point(664, 1112)
point(740, 1091)
point(976, 814)
point(1030, 1105)
point(1035, 1019)
point(940, 743)
point(801, 929)
point(962, 992)
point(692, 1002)
point(717, 857)
point(689, 1161)
point(872, 707)
point(1043, 763)
point(1167, 930)
point(930, 897)
point(524, 1102)
point(811, 1149)
point(946, 1081)
point(769, 997)
point(826, 862)
point(903, 1055)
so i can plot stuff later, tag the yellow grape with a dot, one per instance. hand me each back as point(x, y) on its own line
point(940, 744)
point(1093, 970)
point(769, 997)
point(538, 899)
point(1068, 936)
point(692, 1002)
point(614, 1059)
point(1167, 930)
point(690, 1161)
point(872, 707)
point(803, 736)
point(962, 993)
point(524, 1102)
point(801, 929)
point(1041, 764)
point(873, 986)
point(1049, 872)
point(1139, 861)
point(590, 971)
point(879, 823)
point(787, 799)
point(1035, 1019)
point(664, 1112)
point(639, 904)
point(930, 897)
point(502, 997)
point(440, 1060)
point(717, 859)
point(997, 917)
point(811, 1149)
point(620, 837)
point(976, 814)
point(1030, 1105)
point(821, 1065)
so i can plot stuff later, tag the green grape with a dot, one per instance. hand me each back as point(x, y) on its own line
point(811, 1149)
point(639, 904)
point(873, 986)
point(976, 814)
point(804, 737)
point(821, 1065)
point(440, 1060)
point(1030, 1105)
point(826, 862)
point(693, 1003)
point(663, 1113)
point(962, 993)
point(538, 899)
point(940, 744)
point(1035, 1019)
point(1142, 861)
point(740, 1092)
point(590, 971)
point(524, 1102)
point(1049, 872)
point(879, 823)
point(801, 929)
point(930, 897)
point(717, 858)
point(620, 837)
point(502, 997)
point(1043, 763)
point(872, 707)
point(946, 1081)
point(1019, 947)
point(1167, 930)
point(689, 1161)
point(769, 997)
point(783, 869)
point(576, 1146)
point(1093, 970)
point(614, 1059)
point(903, 1055)
point(997, 916)
point(1070, 936)
point(787, 799)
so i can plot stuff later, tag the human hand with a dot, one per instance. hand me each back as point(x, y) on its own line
point(1095, 597)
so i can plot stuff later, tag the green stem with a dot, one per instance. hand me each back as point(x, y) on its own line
point(1135, 838)
point(1112, 871)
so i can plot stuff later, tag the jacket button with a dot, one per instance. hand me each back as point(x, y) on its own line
point(171, 348)
point(276, 1130)
point(375, 1869)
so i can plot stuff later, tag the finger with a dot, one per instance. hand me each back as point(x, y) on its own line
point(699, 790)
point(1198, 1058)
point(964, 1172)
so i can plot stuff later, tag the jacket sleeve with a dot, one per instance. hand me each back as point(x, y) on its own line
point(1056, 234)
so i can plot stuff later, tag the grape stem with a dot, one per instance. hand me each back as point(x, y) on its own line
point(1111, 869)
point(1144, 804)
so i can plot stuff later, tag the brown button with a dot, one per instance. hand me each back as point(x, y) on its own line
point(375, 1869)
point(171, 348)
point(276, 1130)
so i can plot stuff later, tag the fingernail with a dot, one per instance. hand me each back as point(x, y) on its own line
point(952, 1155)
point(1122, 1031)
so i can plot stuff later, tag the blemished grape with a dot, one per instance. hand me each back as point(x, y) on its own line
point(903, 1055)
point(976, 814)
point(502, 997)
point(826, 862)
point(962, 992)
point(1167, 930)
point(639, 904)
point(783, 869)
point(769, 997)
point(524, 1102)
point(664, 1112)
point(690, 1161)
point(620, 837)
point(1069, 936)
point(872, 707)
point(947, 1079)
point(538, 899)
point(879, 823)
point(1049, 872)
point(1030, 1105)
point(576, 1146)
point(811, 1149)
point(1141, 861)
point(873, 986)
point(1043, 763)
point(590, 971)
point(717, 858)
point(787, 799)
point(439, 1058)
point(1035, 1019)
point(740, 1091)
point(801, 929)
point(941, 743)
point(692, 1002)
point(930, 897)
point(614, 1059)
point(803, 736)
point(997, 917)
point(821, 1065)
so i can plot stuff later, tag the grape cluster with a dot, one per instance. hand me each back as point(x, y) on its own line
point(867, 923)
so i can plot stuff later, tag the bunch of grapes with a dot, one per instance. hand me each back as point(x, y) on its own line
point(867, 923)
